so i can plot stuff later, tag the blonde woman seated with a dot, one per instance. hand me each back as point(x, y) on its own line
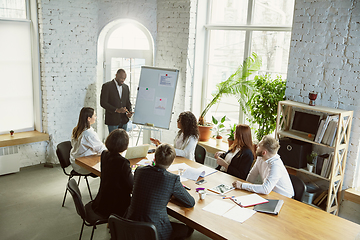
point(187, 137)
point(84, 140)
point(238, 160)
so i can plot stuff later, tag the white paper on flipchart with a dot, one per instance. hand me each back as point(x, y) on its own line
point(239, 214)
point(146, 93)
point(219, 207)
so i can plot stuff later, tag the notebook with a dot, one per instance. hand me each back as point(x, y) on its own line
point(249, 200)
point(137, 151)
point(272, 207)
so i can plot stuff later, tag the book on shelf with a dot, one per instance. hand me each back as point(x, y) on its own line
point(322, 132)
point(332, 137)
point(319, 198)
point(320, 162)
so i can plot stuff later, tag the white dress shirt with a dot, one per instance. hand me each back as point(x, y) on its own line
point(119, 88)
point(186, 148)
point(274, 177)
point(88, 143)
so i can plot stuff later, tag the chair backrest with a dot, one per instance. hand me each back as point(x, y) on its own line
point(63, 153)
point(200, 154)
point(76, 195)
point(125, 229)
point(299, 187)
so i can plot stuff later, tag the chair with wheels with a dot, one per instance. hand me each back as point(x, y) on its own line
point(125, 229)
point(299, 187)
point(63, 153)
point(200, 154)
point(89, 217)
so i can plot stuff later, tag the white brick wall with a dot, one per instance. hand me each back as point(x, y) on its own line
point(175, 49)
point(325, 57)
point(69, 34)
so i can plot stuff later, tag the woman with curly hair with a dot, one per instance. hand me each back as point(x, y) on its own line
point(238, 160)
point(187, 137)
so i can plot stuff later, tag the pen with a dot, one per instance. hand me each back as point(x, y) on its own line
point(228, 197)
point(186, 187)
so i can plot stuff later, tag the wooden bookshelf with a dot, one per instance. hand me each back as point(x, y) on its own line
point(340, 148)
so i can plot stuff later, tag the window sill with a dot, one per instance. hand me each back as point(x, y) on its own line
point(211, 146)
point(352, 195)
point(22, 138)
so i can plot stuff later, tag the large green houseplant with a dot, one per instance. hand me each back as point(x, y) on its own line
point(237, 84)
point(263, 104)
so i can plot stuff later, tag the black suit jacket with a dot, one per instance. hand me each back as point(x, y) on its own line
point(153, 188)
point(240, 164)
point(110, 100)
point(116, 185)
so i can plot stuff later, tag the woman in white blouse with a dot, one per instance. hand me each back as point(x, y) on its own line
point(84, 140)
point(187, 137)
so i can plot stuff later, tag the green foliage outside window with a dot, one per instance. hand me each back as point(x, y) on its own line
point(264, 103)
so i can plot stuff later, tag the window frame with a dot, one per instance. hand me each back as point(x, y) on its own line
point(32, 19)
point(203, 32)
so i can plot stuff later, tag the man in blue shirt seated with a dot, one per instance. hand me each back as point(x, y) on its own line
point(271, 170)
point(153, 188)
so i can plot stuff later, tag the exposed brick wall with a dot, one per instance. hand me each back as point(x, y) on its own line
point(325, 57)
point(174, 49)
point(69, 32)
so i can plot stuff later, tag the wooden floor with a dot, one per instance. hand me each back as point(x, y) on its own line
point(30, 207)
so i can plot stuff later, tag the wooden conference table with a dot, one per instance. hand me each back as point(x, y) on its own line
point(296, 220)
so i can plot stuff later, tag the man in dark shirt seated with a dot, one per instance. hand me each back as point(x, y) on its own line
point(153, 188)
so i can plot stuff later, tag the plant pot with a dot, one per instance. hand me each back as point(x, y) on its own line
point(310, 167)
point(230, 142)
point(218, 140)
point(204, 133)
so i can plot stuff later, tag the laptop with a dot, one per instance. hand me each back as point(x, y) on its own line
point(137, 151)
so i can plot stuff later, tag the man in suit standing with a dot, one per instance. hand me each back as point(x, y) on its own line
point(115, 99)
point(153, 188)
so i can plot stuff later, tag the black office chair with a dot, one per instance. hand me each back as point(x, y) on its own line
point(89, 217)
point(63, 153)
point(200, 154)
point(299, 187)
point(125, 229)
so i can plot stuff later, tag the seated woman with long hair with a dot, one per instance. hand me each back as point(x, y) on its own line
point(238, 160)
point(186, 138)
point(84, 140)
point(116, 177)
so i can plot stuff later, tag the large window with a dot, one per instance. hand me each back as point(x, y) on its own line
point(233, 30)
point(16, 66)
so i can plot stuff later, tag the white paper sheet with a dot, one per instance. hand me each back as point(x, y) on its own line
point(229, 210)
point(144, 162)
point(219, 207)
point(192, 173)
point(239, 214)
point(207, 170)
point(176, 167)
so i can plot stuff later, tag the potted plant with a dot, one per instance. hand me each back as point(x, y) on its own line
point(237, 84)
point(231, 135)
point(218, 128)
point(12, 132)
point(263, 104)
point(311, 160)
